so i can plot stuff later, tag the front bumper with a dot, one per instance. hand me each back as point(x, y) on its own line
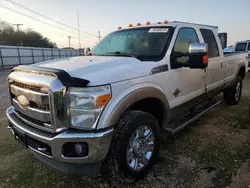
point(98, 145)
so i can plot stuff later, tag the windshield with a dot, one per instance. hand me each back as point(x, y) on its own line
point(143, 43)
point(241, 47)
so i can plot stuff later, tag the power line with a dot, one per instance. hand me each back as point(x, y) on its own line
point(62, 29)
point(34, 12)
point(33, 18)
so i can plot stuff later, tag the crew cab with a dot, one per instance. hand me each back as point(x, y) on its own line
point(243, 46)
point(107, 109)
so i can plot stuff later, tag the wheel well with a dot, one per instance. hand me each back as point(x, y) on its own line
point(153, 106)
point(242, 72)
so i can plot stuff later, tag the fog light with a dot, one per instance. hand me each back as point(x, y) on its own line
point(75, 149)
point(80, 148)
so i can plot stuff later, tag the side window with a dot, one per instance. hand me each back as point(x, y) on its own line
point(184, 38)
point(248, 48)
point(209, 38)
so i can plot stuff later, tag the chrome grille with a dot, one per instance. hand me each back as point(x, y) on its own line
point(37, 114)
point(45, 95)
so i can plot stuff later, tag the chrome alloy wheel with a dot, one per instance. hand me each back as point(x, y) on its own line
point(140, 148)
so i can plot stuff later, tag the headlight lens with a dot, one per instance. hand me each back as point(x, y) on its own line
point(86, 105)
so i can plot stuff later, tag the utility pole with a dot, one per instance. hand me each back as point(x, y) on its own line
point(79, 37)
point(99, 36)
point(17, 26)
point(69, 37)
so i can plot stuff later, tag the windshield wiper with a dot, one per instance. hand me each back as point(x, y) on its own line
point(118, 53)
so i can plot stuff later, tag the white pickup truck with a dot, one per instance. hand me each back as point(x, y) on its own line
point(243, 46)
point(107, 109)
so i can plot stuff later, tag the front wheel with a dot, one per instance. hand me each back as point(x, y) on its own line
point(232, 95)
point(134, 146)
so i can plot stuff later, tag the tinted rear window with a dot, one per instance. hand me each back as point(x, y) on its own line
point(209, 38)
point(241, 47)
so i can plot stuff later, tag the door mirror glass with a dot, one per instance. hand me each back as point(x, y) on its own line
point(86, 51)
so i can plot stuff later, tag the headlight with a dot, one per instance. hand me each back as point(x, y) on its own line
point(86, 105)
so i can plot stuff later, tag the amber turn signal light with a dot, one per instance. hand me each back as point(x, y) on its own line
point(205, 59)
point(102, 100)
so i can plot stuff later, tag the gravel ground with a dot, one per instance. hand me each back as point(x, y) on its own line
point(212, 152)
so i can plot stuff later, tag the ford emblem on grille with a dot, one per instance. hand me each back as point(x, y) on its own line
point(23, 101)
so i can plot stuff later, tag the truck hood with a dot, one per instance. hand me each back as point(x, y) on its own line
point(101, 70)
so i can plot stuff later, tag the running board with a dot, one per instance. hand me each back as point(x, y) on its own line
point(186, 120)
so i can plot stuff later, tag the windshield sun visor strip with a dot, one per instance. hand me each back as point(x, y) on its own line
point(62, 75)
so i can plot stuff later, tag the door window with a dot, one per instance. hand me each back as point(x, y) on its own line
point(241, 47)
point(185, 37)
point(209, 38)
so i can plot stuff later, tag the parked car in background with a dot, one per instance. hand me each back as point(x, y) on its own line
point(243, 46)
point(229, 49)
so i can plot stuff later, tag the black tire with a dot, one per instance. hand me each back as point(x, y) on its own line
point(230, 93)
point(117, 167)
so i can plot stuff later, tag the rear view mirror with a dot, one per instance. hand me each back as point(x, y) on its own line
point(198, 58)
point(86, 51)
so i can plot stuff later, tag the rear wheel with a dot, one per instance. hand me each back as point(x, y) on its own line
point(134, 147)
point(232, 95)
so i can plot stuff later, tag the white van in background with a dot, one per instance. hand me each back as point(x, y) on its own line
point(243, 46)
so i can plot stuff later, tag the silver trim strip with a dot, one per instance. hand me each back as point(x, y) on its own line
point(35, 125)
point(39, 152)
point(39, 98)
point(40, 115)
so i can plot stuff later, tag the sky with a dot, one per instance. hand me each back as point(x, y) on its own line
point(231, 16)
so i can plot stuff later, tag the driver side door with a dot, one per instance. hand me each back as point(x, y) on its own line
point(188, 88)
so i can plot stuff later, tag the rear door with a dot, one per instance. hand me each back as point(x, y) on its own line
point(215, 72)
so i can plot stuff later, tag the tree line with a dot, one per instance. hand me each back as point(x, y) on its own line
point(9, 36)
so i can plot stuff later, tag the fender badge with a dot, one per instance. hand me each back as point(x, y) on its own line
point(176, 93)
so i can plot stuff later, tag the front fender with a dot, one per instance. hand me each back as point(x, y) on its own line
point(118, 105)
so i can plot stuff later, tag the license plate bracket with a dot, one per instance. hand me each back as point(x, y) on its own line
point(21, 138)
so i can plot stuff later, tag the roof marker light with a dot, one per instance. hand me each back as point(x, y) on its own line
point(147, 23)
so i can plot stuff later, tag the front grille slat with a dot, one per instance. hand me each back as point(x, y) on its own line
point(29, 87)
point(36, 99)
point(40, 115)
